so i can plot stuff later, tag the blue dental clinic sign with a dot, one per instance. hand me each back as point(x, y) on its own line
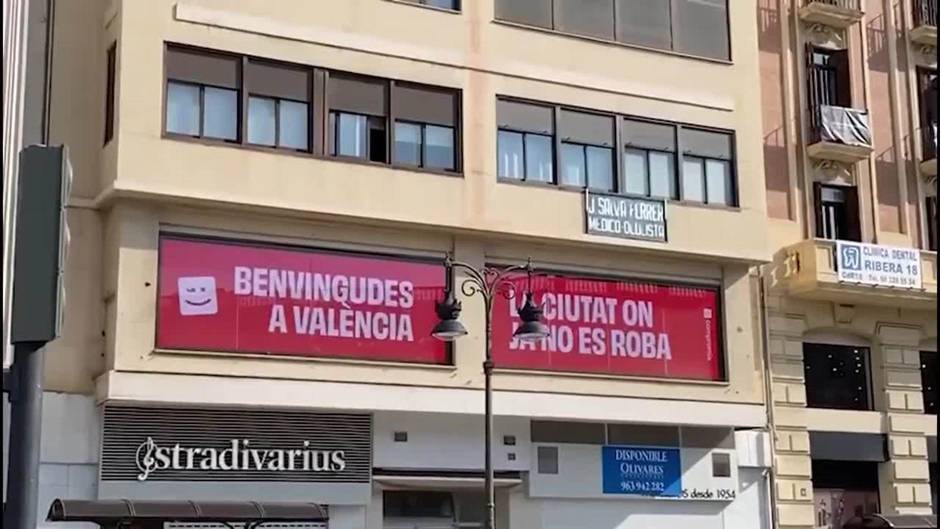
point(642, 471)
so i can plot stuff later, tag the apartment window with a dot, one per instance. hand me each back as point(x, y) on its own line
point(587, 155)
point(425, 127)
point(707, 169)
point(202, 94)
point(928, 377)
point(649, 159)
point(525, 141)
point(930, 211)
point(278, 105)
point(837, 376)
point(693, 27)
point(452, 5)
point(928, 112)
point(109, 94)
point(828, 76)
point(837, 213)
point(358, 113)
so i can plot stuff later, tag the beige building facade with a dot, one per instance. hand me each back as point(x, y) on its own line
point(852, 360)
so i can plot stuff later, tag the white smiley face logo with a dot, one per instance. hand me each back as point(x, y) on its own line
point(197, 296)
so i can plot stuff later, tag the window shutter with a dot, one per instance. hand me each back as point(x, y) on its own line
point(817, 200)
point(357, 94)
point(529, 12)
point(591, 129)
point(644, 22)
point(648, 135)
point(592, 18)
point(202, 67)
point(525, 117)
point(425, 104)
point(701, 28)
point(840, 60)
point(274, 80)
point(852, 221)
point(706, 143)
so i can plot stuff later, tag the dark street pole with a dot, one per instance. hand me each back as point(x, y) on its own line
point(488, 283)
point(26, 418)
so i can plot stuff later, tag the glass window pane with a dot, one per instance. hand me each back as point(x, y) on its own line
point(182, 109)
point(444, 4)
point(837, 376)
point(600, 163)
point(663, 175)
point(539, 164)
point(261, 122)
point(439, 147)
point(351, 132)
point(221, 113)
point(634, 171)
point(572, 165)
point(509, 154)
point(693, 179)
point(718, 181)
point(407, 143)
point(293, 117)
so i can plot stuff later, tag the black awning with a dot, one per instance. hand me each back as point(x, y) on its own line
point(104, 512)
point(888, 521)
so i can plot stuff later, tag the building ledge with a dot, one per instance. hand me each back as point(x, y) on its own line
point(817, 12)
point(924, 34)
point(808, 270)
point(840, 152)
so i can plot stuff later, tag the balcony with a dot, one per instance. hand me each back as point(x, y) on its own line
point(835, 13)
point(928, 163)
point(924, 31)
point(840, 134)
point(810, 270)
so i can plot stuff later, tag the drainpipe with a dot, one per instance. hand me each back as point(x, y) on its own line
point(771, 473)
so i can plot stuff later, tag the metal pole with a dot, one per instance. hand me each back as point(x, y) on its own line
point(25, 434)
point(489, 478)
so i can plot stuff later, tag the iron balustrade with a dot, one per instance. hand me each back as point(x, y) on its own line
point(853, 5)
point(925, 13)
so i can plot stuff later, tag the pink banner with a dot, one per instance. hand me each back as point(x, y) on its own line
point(616, 328)
point(250, 298)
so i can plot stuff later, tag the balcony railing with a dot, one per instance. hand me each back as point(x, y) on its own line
point(841, 134)
point(925, 13)
point(849, 5)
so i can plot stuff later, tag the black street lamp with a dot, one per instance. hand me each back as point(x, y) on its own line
point(488, 283)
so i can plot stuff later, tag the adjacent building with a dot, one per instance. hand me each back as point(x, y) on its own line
point(264, 194)
point(850, 129)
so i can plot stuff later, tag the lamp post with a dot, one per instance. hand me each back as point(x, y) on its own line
point(488, 282)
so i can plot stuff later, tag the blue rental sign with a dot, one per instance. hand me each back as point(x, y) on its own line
point(642, 471)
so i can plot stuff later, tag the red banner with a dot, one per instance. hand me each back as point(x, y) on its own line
point(616, 328)
point(248, 298)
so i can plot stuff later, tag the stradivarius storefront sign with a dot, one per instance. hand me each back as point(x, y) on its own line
point(238, 456)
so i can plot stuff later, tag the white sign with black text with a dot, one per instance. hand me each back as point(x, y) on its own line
point(872, 264)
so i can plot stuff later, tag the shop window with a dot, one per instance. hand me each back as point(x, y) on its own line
point(708, 438)
point(278, 105)
point(837, 216)
point(649, 159)
point(202, 94)
point(109, 95)
point(837, 376)
point(707, 168)
point(425, 126)
point(844, 490)
point(568, 432)
point(418, 504)
point(692, 27)
point(643, 435)
point(525, 137)
point(928, 374)
point(586, 150)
